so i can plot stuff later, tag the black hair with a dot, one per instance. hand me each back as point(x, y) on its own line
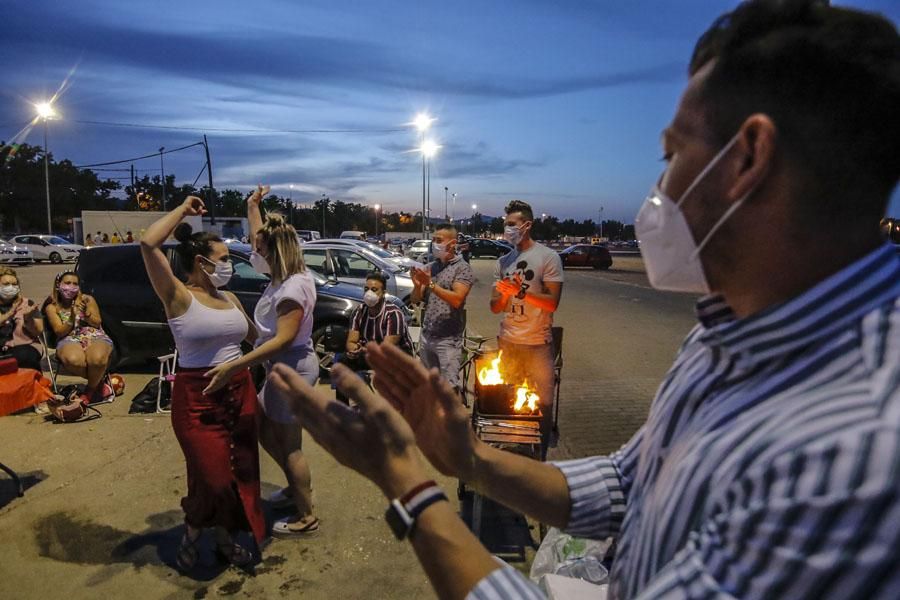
point(520, 207)
point(445, 227)
point(192, 244)
point(377, 276)
point(829, 78)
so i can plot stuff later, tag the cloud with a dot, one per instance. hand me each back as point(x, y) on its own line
point(288, 64)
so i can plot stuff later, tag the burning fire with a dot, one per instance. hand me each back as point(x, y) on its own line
point(526, 400)
point(525, 397)
point(492, 375)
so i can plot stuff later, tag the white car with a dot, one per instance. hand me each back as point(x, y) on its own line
point(48, 247)
point(419, 251)
point(391, 257)
point(12, 254)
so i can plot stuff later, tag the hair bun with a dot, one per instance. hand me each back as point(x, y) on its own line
point(183, 232)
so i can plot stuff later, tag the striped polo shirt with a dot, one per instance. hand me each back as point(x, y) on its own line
point(376, 324)
point(769, 465)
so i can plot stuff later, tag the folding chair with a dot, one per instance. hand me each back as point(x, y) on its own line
point(167, 364)
point(55, 367)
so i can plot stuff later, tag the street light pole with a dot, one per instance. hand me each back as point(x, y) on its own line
point(162, 169)
point(47, 178)
point(422, 122)
point(601, 222)
point(377, 208)
point(472, 228)
point(45, 111)
point(324, 203)
point(446, 214)
point(454, 207)
point(291, 202)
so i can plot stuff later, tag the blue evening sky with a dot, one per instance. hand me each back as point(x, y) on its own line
point(557, 103)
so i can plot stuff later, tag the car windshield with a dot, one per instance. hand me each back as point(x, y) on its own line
point(379, 262)
point(55, 240)
point(380, 252)
point(570, 249)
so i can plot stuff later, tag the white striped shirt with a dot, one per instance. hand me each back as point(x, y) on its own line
point(769, 465)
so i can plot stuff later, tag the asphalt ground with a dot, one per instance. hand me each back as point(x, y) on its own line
point(101, 513)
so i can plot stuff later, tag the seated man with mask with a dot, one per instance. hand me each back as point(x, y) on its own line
point(375, 320)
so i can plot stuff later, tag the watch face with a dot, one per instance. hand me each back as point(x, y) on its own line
point(398, 520)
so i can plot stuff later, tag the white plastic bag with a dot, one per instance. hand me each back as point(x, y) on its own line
point(570, 556)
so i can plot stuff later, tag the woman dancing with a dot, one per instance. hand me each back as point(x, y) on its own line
point(284, 318)
point(216, 429)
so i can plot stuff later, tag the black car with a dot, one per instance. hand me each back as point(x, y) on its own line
point(134, 318)
point(480, 247)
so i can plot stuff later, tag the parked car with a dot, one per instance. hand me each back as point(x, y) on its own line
point(134, 318)
point(419, 250)
point(393, 257)
point(351, 264)
point(586, 255)
point(48, 247)
point(308, 235)
point(481, 247)
point(10, 254)
point(353, 235)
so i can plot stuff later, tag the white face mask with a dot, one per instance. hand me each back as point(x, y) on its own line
point(9, 292)
point(440, 251)
point(671, 256)
point(513, 234)
point(371, 298)
point(259, 264)
point(222, 275)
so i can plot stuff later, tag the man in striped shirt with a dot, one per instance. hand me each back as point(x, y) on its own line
point(769, 465)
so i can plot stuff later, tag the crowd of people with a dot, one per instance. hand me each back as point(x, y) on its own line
point(767, 467)
point(67, 317)
point(100, 238)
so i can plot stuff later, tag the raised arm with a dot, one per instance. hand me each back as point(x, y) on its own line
point(254, 216)
point(169, 289)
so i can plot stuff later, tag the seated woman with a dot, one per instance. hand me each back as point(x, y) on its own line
point(83, 347)
point(20, 323)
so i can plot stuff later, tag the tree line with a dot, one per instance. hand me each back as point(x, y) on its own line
point(73, 189)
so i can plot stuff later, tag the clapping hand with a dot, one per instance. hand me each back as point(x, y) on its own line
point(430, 405)
point(374, 440)
point(420, 277)
point(508, 287)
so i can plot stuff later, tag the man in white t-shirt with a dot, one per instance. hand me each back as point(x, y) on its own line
point(528, 286)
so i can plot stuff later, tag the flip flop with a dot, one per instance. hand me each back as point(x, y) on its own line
point(283, 528)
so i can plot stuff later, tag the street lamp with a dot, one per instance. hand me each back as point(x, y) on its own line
point(474, 208)
point(428, 149)
point(446, 214)
point(46, 112)
point(324, 204)
point(377, 208)
point(454, 206)
point(422, 122)
point(601, 222)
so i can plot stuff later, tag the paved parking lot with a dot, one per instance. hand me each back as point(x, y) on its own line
point(101, 516)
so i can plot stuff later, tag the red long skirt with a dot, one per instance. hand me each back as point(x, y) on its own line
point(217, 434)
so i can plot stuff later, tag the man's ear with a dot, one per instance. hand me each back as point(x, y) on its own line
point(755, 154)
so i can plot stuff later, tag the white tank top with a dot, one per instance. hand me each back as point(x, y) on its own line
point(206, 337)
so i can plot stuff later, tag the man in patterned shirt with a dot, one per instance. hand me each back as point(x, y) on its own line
point(444, 284)
point(769, 464)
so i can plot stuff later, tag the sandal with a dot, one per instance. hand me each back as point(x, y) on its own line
point(285, 528)
point(188, 552)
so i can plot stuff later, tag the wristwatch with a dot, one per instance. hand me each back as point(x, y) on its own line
point(402, 512)
point(431, 285)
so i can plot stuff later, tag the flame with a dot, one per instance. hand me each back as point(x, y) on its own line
point(525, 397)
point(492, 375)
